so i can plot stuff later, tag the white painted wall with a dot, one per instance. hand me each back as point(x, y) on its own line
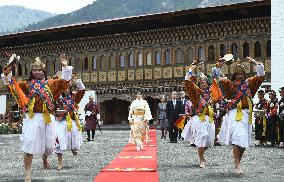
point(84, 101)
point(3, 104)
point(277, 44)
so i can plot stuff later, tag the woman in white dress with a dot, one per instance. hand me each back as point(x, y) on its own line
point(202, 127)
point(139, 116)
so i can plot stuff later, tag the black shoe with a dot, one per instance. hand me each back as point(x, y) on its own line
point(88, 139)
point(92, 139)
point(171, 141)
point(162, 136)
point(217, 144)
point(193, 145)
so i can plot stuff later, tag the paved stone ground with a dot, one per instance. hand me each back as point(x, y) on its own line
point(177, 162)
point(83, 168)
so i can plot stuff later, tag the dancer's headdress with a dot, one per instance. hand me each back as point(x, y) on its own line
point(37, 64)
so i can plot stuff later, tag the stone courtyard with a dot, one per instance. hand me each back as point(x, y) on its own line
point(176, 162)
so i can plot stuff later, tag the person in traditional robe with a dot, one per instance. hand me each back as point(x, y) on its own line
point(92, 117)
point(260, 119)
point(281, 117)
point(139, 117)
point(203, 128)
point(272, 119)
point(38, 132)
point(187, 131)
point(164, 125)
point(68, 127)
point(237, 95)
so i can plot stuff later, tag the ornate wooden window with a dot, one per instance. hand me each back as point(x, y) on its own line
point(245, 50)
point(112, 61)
point(94, 63)
point(179, 56)
point(257, 49)
point(167, 57)
point(190, 55)
point(149, 58)
point(234, 50)
point(223, 50)
point(121, 61)
point(158, 58)
point(70, 62)
point(268, 48)
point(131, 59)
point(54, 66)
point(86, 64)
point(27, 70)
point(140, 59)
point(103, 63)
point(47, 67)
point(20, 73)
point(201, 53)
point(211, 54)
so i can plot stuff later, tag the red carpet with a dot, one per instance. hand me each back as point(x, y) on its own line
point(131, 165)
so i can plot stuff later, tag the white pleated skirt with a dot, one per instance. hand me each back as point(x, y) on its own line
point(203, 133)
point(236, 132)
point(67, 140)
point(187, 132)
point(38, 137)
point(75, 138)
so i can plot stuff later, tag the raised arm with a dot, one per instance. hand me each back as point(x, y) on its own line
point(256, 81)
point(57, 86)
point(81, 91)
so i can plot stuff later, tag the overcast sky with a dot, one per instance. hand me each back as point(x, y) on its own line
point(52, 6)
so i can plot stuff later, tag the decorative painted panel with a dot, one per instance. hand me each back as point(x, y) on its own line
point(178, 71)
point(131, 74)
point(209, 68)
point(94, 77)
point(267, 65)
point(86, 77)
point(148, 74)
point(102, 76)
point(167, 72)
point(157, 73)
point(112, 76)
point(121, 75)
point(139, 74)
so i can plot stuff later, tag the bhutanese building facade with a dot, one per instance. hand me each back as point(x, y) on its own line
point(117, 57)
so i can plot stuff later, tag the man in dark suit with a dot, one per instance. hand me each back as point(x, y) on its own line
point(174, 109)
point(183, 102)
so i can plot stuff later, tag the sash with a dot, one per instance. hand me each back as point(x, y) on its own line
point(242, 91)
point(68, 104)
point(40, 88)
point(201, 107)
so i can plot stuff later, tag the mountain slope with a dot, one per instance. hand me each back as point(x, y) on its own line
point(14, 18)
point(107, 9)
